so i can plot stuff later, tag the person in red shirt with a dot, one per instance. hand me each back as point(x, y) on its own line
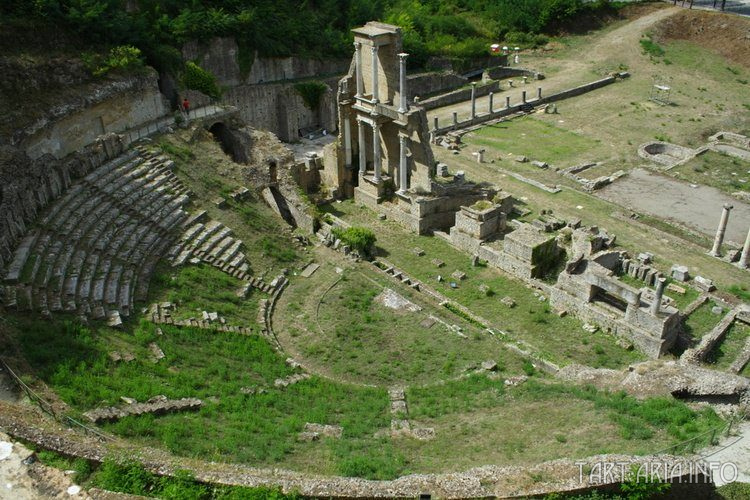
point(186, 105)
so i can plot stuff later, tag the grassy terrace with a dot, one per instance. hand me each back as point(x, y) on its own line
point(537, 140)
point(561, 340)
point(726, 352)
point(333, 324)
point(718, 170)
point(701, 321)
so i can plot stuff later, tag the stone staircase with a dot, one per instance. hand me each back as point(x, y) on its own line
point(95, 248)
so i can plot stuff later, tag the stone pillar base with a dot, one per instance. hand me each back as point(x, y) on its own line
point(370, 189)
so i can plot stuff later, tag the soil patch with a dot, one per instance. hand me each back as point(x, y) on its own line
point(724, 34)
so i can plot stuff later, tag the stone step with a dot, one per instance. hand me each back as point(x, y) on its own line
point(20, 257)
point(231, 253)
point(214, 240)
point(221, 247)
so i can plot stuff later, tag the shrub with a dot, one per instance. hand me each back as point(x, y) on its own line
point(360, 239)
point(311, 93)
point(196, 78)
point(123, 57)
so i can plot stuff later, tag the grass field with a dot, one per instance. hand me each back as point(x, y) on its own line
point(718, 170)
point(537, 140)
point(726, 352)
point(562, 340)
point(701, 321)
point(344, 332)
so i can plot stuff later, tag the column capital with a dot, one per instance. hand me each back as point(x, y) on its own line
point(357, 46)
point(374, 49)
point(473, 84)
point(728, 206)
point(402, 56)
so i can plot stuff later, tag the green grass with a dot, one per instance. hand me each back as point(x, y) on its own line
point(536, 139)
point(562, 340)
point(701, 321)
point(715, 170)
point(197, 288)
point(726, 352)
point(740, 291)
point(258, 429)
point(353, 337)
point(577, 421)
point(651, 48)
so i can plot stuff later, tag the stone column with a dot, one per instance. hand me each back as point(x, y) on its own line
point(719, 239)
point(403, 107)
point(539, 92)
point(490, 104)
point(507, 102)
point(435, 123)
point(403, 177)
point(523, 96)
point(376, 160)
point(656, 304)
point(362, 150)
point(455, 119)
point(473, 100)
point(375, 93)
point(347, 140)
point(358, 65)
point(745, 257)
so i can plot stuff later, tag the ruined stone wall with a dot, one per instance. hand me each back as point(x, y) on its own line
point(265, 94)
point(649, 345)
point(115, 107)
point(426, 84)
point(458, 96)
point(278, 108)
point(30, 185)
point(220, 57)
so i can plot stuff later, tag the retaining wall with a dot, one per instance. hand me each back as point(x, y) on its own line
point(479, 119)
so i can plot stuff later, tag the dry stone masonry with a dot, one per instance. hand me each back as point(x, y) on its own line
point(93, 251)
point(158, 405)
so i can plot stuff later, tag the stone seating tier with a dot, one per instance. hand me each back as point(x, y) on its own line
point(95, 248)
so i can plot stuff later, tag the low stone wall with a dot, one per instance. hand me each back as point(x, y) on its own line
point(710, 340)
point(427, 84)
point(483, 118)
point(503, 72)
point(458, 96)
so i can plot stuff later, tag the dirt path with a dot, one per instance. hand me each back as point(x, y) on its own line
point(578, 67)
point(734, 449)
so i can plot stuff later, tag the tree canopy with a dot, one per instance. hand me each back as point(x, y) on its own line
point(312, 28)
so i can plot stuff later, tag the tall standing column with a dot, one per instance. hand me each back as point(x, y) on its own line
point(507, 102)
point(376, 151)
point(347, 140)
point(745, 257)
point(362, 150)
point(403, 177)
point(490, 104)
point(358, 65)
point(719, 239)
point(403, 107)
point(473, 100)
point(656, 304)
point(375, 92)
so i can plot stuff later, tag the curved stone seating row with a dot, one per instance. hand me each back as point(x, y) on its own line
point(95, 248)
point(212, 242)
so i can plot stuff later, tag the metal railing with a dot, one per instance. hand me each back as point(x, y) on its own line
point(47, 407)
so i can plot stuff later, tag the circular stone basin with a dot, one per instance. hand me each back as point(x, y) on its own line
point(664, 152)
